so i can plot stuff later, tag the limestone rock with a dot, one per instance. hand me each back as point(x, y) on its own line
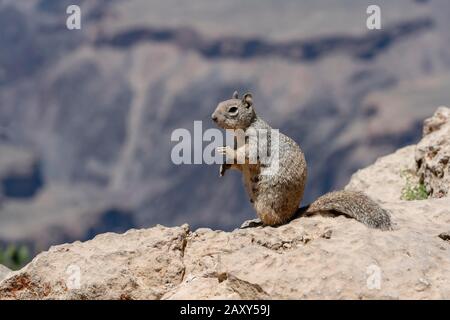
point(440, 118)
point(139, 264)
point(384, 180)
point(310, 258)
point(93, 106)
point(433, 154)
point(317, 257)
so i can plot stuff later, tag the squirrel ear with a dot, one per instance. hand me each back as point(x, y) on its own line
point(235, 95)
point(247, 99)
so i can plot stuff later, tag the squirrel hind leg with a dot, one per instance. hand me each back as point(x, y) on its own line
point(251, 224)
point(270, 216)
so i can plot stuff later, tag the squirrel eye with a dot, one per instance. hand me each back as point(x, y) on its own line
point(233, 110)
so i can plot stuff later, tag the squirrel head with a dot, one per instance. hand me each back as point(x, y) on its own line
point(235, 113)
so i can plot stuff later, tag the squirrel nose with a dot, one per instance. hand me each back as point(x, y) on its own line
point(214, 117)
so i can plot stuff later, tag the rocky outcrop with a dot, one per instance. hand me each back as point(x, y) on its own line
point(433, 154)
point(310, 258)
point(140, 264)
point(4, 272)
point(94, 105)
point(316, 257)
point(383, 180)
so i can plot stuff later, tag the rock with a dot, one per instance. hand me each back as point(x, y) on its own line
point(94, 120)
point(445, 236)
point(139, 264)
point(310, 258)
point(4, 272)
point(384, 180)
point(433, 154)
point(428, 162)
point(441, 117)
point(317, 257)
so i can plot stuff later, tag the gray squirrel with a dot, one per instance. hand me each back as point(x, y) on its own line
point(276, 194)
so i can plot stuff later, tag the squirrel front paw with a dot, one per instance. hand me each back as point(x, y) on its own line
point(227, 151)
point(230, 155)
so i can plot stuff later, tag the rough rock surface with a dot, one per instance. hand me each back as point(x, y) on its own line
point(93, 106)
point(139, 264)
point(433, 154)
point(310, 258)
point(4, 272)
point(383, 180)
point(315, 257)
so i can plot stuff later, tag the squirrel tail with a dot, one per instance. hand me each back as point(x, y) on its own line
point(354, 204)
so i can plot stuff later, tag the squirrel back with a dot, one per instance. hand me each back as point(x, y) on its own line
point(276, 194)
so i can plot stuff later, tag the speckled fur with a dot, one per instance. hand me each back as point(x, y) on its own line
point(276, 197)
point(353, 204)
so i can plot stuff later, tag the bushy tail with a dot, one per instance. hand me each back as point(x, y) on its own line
point(353, 204)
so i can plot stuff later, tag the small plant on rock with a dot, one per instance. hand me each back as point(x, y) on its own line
point(413, 189)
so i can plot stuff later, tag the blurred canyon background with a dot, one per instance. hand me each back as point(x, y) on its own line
point(86, 115)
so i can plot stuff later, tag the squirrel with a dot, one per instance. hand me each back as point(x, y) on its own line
point(276, 194)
